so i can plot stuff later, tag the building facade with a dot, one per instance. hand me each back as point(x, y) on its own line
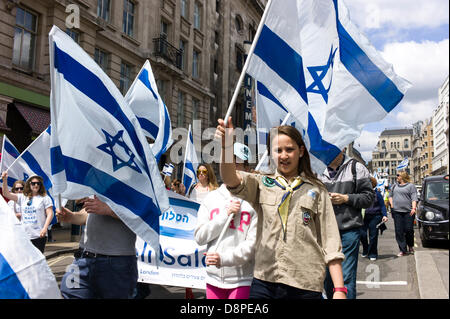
point(195, 47)
point(440, 129)
point(423, 150)
point(393, 146)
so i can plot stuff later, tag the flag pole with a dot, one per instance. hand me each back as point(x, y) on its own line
point(247, 62)
point(185, 155)
point(236, 93)
point(28, 147)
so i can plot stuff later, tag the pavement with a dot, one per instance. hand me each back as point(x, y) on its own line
point(432, 266)
point(63, 243)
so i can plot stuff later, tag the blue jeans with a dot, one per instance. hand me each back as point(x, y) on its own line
point(370, 247)
point(350, 248)
point(109, 277)
point(404, 230)
point(269, 290)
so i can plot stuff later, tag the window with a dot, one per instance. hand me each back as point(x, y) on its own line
point(128, 17)
point(184, 9)
point(197, 16)
point(393, 155)
point(406, 143)
point(183, 50)
point(218, 6)
point(196, 64)
point(24, 39)
point(239, 59)
point(164, 30)
point(238, 23)
point(103, 9)
point(73, 34)
point(125, 77)
point(195, 108)
point(102, 59)
point(180, 109)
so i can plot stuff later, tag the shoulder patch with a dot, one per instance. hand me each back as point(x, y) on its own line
point(268, 182)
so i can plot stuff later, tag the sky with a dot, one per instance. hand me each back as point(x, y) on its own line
point(413, 36)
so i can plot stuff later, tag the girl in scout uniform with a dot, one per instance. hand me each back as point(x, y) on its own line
point(297, 236)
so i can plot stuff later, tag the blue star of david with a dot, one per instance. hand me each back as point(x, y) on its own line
point(292, 123)
point(25, 176)
point(108, 148)
point(318, 73)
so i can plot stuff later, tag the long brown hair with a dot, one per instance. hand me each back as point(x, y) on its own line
point(27, 189)
point(212, 180)
point(304, 164)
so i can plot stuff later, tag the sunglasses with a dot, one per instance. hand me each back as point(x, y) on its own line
point(202, 171)
point(35, 183)
point(18, 189)
point(398, 175)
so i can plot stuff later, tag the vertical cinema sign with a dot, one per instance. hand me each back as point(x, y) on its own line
point(248, 115)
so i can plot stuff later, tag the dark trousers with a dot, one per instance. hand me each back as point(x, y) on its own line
point(404, 230)
point(39, 243)
point(269, 290)
point(108, 277)
point(370, 247)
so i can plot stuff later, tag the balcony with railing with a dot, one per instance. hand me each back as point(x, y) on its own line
point(165, 50)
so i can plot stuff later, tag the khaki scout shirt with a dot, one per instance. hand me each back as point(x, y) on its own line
point(299, 257)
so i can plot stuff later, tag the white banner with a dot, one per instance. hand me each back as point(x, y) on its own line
point(181, 261)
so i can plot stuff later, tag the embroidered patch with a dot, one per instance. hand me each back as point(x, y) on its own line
point(306, 218)
point(312, 194)
point(268, 182)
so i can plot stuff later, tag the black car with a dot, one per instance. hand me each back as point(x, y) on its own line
point(432, 213)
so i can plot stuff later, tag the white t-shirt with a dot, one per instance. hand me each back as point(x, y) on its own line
point(33, 213)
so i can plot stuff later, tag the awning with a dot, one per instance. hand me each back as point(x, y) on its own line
point(38, 119)
point(3, 127)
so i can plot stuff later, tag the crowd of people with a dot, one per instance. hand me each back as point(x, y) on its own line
point(285, 234)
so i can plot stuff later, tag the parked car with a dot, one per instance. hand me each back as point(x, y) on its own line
point(432, 212)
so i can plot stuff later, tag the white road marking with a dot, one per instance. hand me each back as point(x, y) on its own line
point(383, 283)
point(58, 259)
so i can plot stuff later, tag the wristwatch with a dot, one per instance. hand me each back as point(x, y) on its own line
point(342, 289)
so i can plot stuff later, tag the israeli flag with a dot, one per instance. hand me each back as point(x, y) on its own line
point(35, 160)
point(324, 71)
point(24, 273)
point(271, 113)
point(191, 163)
point(403, 164)
point(97, 144)
point(151, 112)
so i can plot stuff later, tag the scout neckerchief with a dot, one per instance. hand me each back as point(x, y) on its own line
point(283, 208)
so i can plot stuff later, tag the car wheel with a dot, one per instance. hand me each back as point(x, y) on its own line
point(423, 238)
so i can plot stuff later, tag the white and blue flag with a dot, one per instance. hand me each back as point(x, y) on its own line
point(316, 63)
point(97, 144)
point(34, 160)
point(403, 164)
point(190, 163)
point(151, 112)
point(24, 273)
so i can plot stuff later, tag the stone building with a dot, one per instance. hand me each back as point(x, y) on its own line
point(440, 128)
point(422, 152)
point(195, 47)
point(393, 146)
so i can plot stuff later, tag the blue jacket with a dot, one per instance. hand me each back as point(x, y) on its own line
point(377, 205)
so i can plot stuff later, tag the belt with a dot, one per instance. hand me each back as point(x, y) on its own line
point(81, 253)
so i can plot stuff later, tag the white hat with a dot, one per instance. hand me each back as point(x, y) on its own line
point(242, 151)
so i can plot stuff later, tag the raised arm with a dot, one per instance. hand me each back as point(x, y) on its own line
point(6, 192)
point(227, 165)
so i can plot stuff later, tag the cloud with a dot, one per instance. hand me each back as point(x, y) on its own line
point(426, 66)
point(366, 143)
point(399, 14)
